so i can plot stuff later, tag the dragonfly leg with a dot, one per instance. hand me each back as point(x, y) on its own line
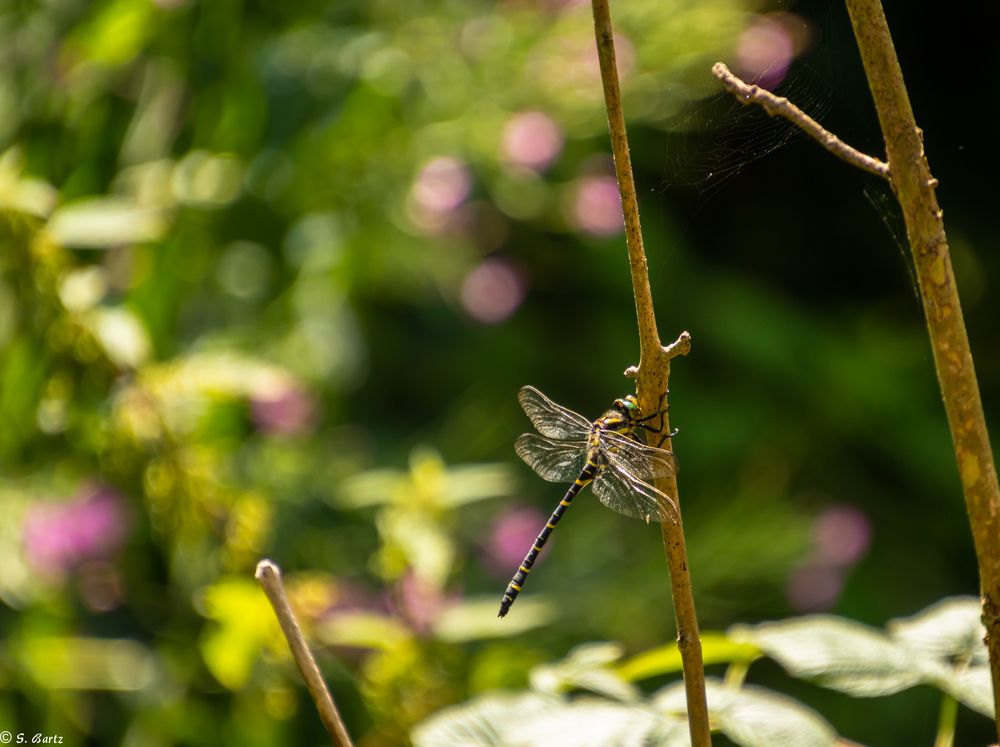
point(662, 409)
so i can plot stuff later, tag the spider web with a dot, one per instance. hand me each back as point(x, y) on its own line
point(712, 140)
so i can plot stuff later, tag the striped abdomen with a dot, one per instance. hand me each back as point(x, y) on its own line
point(514, 587)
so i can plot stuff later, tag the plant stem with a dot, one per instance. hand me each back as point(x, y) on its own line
point(914, 188)
point(652, 375)
point(947, 717)
point(269, 576)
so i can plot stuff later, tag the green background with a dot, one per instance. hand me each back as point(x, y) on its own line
point(233, 326)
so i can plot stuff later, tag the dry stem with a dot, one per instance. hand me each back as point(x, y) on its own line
point(914, 187)
point(651, 377)
point(269, 576)
point(779, 106)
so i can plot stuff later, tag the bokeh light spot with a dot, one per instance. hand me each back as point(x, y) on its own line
point(767, 47)
point(442, 186)
point(492, 291)
point(842, 534)
point(513, 534)
point(814, 587)
point(58, 537)
point(531, 140)
point(597, 207)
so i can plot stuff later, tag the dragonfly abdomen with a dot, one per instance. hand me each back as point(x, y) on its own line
point(514, 587)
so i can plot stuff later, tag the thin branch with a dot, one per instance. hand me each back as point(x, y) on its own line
point(269, 576)
point(914, 187)
point(779, 106)
point(652, 375)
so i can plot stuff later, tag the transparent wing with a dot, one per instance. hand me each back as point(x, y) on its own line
point(637, 459)
point(626, 494)
point(555, 461)
point(552, 420)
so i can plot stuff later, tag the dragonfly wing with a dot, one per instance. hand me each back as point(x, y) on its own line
point(627, 494)
point(555, 461)
point(636, 458)
point(552, 420)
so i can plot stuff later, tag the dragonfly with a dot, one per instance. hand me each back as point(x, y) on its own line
point(609, 454)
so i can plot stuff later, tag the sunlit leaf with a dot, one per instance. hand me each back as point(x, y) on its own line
point(243, 623)
point(116, 34)
point(372, 488)
point(476, 618)
point(533, 720)
point(475, 482)
point(482, 722)
point(362, 630)
point(100, 223)
point(121, 334)
point(946, 640)
point(20, 193)
point(972, 686)
point(835, 652)
point(587, 667)
point(589, 722)
point(69, 663)
point(716, 648)
point(754, 716)
point(950, 628)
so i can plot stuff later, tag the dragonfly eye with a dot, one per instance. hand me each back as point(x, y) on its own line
point(628, 406)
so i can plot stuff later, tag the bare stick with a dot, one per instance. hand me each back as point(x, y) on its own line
point(779, 106)
point(651, 377)
point(914, 187)
point(269, 576)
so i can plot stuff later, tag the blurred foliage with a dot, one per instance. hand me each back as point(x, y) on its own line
point(941, 646)
point(272, 273)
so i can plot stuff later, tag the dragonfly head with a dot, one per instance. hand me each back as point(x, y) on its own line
point(628, 406)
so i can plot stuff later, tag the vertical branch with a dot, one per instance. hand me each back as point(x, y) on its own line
point(649, 338)
point(914, 187)
point(269, 576)
point(652, 375)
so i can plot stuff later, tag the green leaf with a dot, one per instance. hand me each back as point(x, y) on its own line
point(481, 722)
point(972, 687)
point(106, 222)
point(70, 663)
point(535, 720)
point(587, 667)
point(476, 618)
point(590, 722)
point(754, 716)
point(716, 648)
point(363, 630)
point(836, 653)
point(243, 624)
point(20, 193)
point(946, 642)
point(950, 628)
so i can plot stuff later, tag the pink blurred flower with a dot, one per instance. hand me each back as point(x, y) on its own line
point(842, 535)
point(531, 140)
point(58, 537)
point(814, 587)
point(419, 601)
point(285, 410)
point(767, 47)
point(513, 535)
point(492, 291)
point(442, 185)
point(597, 207)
